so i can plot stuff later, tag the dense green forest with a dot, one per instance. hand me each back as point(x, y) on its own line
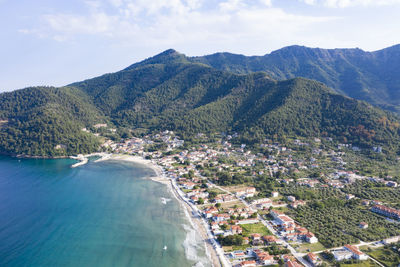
point(37, 120)
point(169, 91)
point(370, 76)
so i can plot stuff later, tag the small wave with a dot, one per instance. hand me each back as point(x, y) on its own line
point(165, 200)
point(192, 245)
point(199, 264)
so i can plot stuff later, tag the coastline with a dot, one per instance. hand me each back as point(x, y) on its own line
point(214, 254)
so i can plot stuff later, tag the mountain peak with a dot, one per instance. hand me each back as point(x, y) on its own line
point(169, 52)
point(168, 56)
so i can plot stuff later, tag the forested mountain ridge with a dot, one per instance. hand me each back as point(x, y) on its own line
point(46, 121)
point(370, 76)
point(169, 91)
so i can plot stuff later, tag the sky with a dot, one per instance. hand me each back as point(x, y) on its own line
point(54, 43)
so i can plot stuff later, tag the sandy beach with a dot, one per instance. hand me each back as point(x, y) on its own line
point(191, 211)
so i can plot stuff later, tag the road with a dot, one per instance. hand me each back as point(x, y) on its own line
point(298, 256)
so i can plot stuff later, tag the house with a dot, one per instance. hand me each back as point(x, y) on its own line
point(270, 239)
point(262, 203)
point(285, 221)
point(363, 225)
point(276, 213)
point(221, 217)
point(264, 258)
point(236, 229)
point(248, 192)
point(188, 185)
point(214, 226)
point(208, 213)
point(292, 237)
point(237, 255)
point(386, 211)
point(311, 238)
point(342, 254)
point(247, 264)
point(293, 263)
point(274, 194)
point(314, 259)
point(356, 253)
point(291, 198)
point(297, 203)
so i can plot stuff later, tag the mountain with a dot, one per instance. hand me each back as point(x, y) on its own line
point(370, 76)
point(46, 121)
point(169, 91)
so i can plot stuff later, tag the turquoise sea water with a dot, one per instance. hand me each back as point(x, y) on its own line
point(99, 214)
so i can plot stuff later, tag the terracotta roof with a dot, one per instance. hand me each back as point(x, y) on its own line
point(285, 218)
point(312, 256)
point(353, 249)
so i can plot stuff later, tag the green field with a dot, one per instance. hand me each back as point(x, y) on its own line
point(234, 248)
point(304, 248)
point(257, 228)
point(385, 255)
point(368, 263)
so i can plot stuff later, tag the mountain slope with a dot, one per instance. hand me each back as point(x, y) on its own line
point(370, 76)
point(170, 92)
point(36, 120)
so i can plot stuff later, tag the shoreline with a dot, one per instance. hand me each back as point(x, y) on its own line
point(215, 256)
point(83, 159)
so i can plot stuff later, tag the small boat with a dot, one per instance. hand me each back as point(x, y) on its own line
point(165, 248)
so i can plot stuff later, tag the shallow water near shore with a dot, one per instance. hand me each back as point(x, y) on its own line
point(99, 214)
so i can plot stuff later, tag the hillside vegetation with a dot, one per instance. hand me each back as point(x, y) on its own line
point(169, 91)
point(370, 76)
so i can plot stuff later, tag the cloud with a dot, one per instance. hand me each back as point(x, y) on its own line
point(351, 3)
point(177, 23)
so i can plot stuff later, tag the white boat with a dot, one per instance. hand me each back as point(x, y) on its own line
point(165, 248)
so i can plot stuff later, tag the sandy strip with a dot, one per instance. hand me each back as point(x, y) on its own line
point(199, 225)
point(83, 159)
point(197, 222)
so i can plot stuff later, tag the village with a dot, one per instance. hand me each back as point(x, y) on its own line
point(251, 227)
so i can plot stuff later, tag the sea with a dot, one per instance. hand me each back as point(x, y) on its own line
point(100, 214)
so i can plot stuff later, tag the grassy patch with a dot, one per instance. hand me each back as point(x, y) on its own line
point(234, 248)
point(232, 204)
point(257, 228)
point(186, 190)
point(216, 190)
point(368, 263)
point(385, 255)
point(304, 248)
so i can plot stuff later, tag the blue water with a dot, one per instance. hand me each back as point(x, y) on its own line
point(99, 214)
